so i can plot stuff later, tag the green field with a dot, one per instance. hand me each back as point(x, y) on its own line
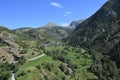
point(59, 63)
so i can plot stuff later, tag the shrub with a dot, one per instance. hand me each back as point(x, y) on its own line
point(23, 52)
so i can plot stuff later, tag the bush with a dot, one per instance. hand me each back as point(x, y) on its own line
point(22, 60)
point(23, 52)
point(5, 71)
point(39, 67)
point(33, 53)
point(23, 73)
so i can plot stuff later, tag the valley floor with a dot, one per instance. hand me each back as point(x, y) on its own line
point(58, 63)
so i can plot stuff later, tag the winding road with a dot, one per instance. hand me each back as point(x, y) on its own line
point(32, 59)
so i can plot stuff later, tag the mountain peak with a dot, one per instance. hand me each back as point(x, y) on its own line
point(50, 24)
point(75, 23)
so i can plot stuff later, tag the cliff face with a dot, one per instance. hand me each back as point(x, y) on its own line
point(8, 48)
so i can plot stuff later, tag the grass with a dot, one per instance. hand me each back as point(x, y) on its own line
point(36, 74)
point(30, 76)
point(33, 53)
point(50, 67)
point(34, 63)
point(83, 62)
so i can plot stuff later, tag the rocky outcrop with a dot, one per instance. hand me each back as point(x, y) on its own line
point(74, 24)
point(9, 49)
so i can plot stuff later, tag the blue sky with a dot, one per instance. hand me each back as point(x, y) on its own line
point(35, 13)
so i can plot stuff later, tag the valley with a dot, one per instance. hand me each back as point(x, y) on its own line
point(39, 57)
point(87, 49)
point(62, 63)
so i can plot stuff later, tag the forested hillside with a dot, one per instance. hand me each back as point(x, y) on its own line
point(101, 35)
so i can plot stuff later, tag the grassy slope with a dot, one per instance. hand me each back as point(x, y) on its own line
point(32, 73)
point(83, 62)
point(32, 65)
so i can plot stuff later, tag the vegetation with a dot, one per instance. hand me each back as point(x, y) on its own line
point(62, 63)
point(100, 34)
point(5, 71)
point(23, 52)
point(95, 55)
point(104, 67)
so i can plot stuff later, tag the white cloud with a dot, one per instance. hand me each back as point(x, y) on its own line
point(64, 24)
point(67, 13)
point(55, 4)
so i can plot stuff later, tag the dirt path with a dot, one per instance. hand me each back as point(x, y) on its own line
point(36, 57)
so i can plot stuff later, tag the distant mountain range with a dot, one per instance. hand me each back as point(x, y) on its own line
point(50, 33)
point(50, 25)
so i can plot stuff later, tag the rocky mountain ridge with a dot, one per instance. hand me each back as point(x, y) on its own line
point(75, 23)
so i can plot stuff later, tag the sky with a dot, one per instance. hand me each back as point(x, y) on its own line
point(35, 13)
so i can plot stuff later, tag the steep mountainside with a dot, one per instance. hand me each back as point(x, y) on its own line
point(101, 35)
point(99, 31)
